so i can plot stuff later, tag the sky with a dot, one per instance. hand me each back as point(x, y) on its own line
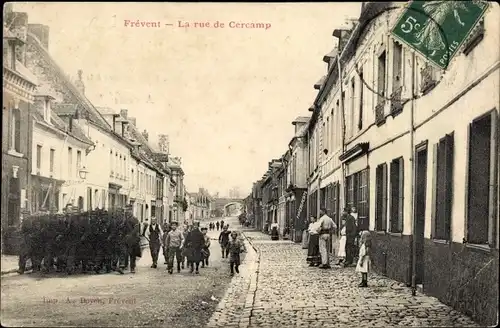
point(226, 97)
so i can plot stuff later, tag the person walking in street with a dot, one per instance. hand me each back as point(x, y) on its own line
point(195, 242)
point(154, 234)
point(235, 247)
point(222, 224)
point(341, 252)
point(145, 225)
point(327, 227)
point(364, 260)
point(217, 225)
point(166, 230)
point(224, 241)
point(185, 250)
point(313, 256)
point(205, 252)
point(351, 232)
point(274, 231)
point(174, 244)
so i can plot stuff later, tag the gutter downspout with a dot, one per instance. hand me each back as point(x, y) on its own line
point(343, 190)
point(412, 160)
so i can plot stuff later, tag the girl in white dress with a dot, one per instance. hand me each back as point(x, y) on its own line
point(364, 261)
point(341, 253)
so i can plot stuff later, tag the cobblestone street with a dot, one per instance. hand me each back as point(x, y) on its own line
point(282, 291)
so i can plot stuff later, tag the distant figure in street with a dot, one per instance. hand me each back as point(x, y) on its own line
point(364, 261)
point(327, 226)
point(174, 243)
point(350, 232)
point(224, 241)
point(195, 242)
point(222, 224)
point(205, 252)
point(154, 234)
point(217, 225)
point(274, 231)
point(185, 250)
point(235, 246)
point(313, 256)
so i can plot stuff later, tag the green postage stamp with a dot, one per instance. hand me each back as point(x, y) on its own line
point(437, 29)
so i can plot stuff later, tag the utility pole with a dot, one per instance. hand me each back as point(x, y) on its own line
point(412, 160)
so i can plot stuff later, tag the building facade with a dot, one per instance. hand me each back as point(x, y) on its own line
point(17, 96)
point(416, 160)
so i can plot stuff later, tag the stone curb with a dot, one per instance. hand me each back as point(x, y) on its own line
point(252, 290)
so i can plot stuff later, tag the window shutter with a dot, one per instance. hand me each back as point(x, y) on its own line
point(392, 225)
point(384, 197)
point(434, 190)
point(401, 194)
point(449, 142)
point(17, 137)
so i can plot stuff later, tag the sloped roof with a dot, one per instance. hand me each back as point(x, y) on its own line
point(60, 124)
point(26, 73)
point(93, 114)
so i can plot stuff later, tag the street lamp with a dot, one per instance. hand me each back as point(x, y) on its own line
point(83, 173)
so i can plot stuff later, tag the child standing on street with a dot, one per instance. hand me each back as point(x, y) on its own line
point(364, 261)
point(205, 251)
point(235, 247)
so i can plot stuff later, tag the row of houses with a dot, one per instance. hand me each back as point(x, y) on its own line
point(200, 205)
point(414, 149)
point(59, 149)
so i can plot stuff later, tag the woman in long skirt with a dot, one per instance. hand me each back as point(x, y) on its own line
point(313, 255)
point(341, 253)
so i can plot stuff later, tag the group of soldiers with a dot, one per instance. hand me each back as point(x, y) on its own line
point(97, 241)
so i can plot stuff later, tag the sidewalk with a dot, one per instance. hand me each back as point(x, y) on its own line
point(9, 264)
point(282, 291)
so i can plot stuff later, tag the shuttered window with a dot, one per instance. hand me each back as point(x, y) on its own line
point(381, 198)
point(443, 187)
point(397, 195)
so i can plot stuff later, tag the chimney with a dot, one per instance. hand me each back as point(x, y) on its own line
point(79, 83)
point(124, 113)
point(41, 32)
point(18, 26)
point(145, 134)
point(133, 121)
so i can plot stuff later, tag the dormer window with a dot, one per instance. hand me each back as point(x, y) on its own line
point(46, 109)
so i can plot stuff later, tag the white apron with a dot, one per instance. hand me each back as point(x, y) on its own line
point(343, 239)
point(364, 262)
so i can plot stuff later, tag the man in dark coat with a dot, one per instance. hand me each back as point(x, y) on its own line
point(26, 246)
point(154, 235)
point(351, 231)
point(224, 241)
point(195, 242)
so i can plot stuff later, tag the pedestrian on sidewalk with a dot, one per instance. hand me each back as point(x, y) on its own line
point(174, 244)
point(351, 231)
point(364, 260)
point(327, 227)
point(313, 256)
point(341, 252)
point(205, 252)
point(235, 247)
point(195, 242)
point(154, 234)
point(224, 241)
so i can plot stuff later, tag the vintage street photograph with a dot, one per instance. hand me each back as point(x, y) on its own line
point(280, 164)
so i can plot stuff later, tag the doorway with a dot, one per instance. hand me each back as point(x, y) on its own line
point(420, 204)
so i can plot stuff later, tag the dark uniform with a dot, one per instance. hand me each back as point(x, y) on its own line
point(26, 246)
point(195, 242)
